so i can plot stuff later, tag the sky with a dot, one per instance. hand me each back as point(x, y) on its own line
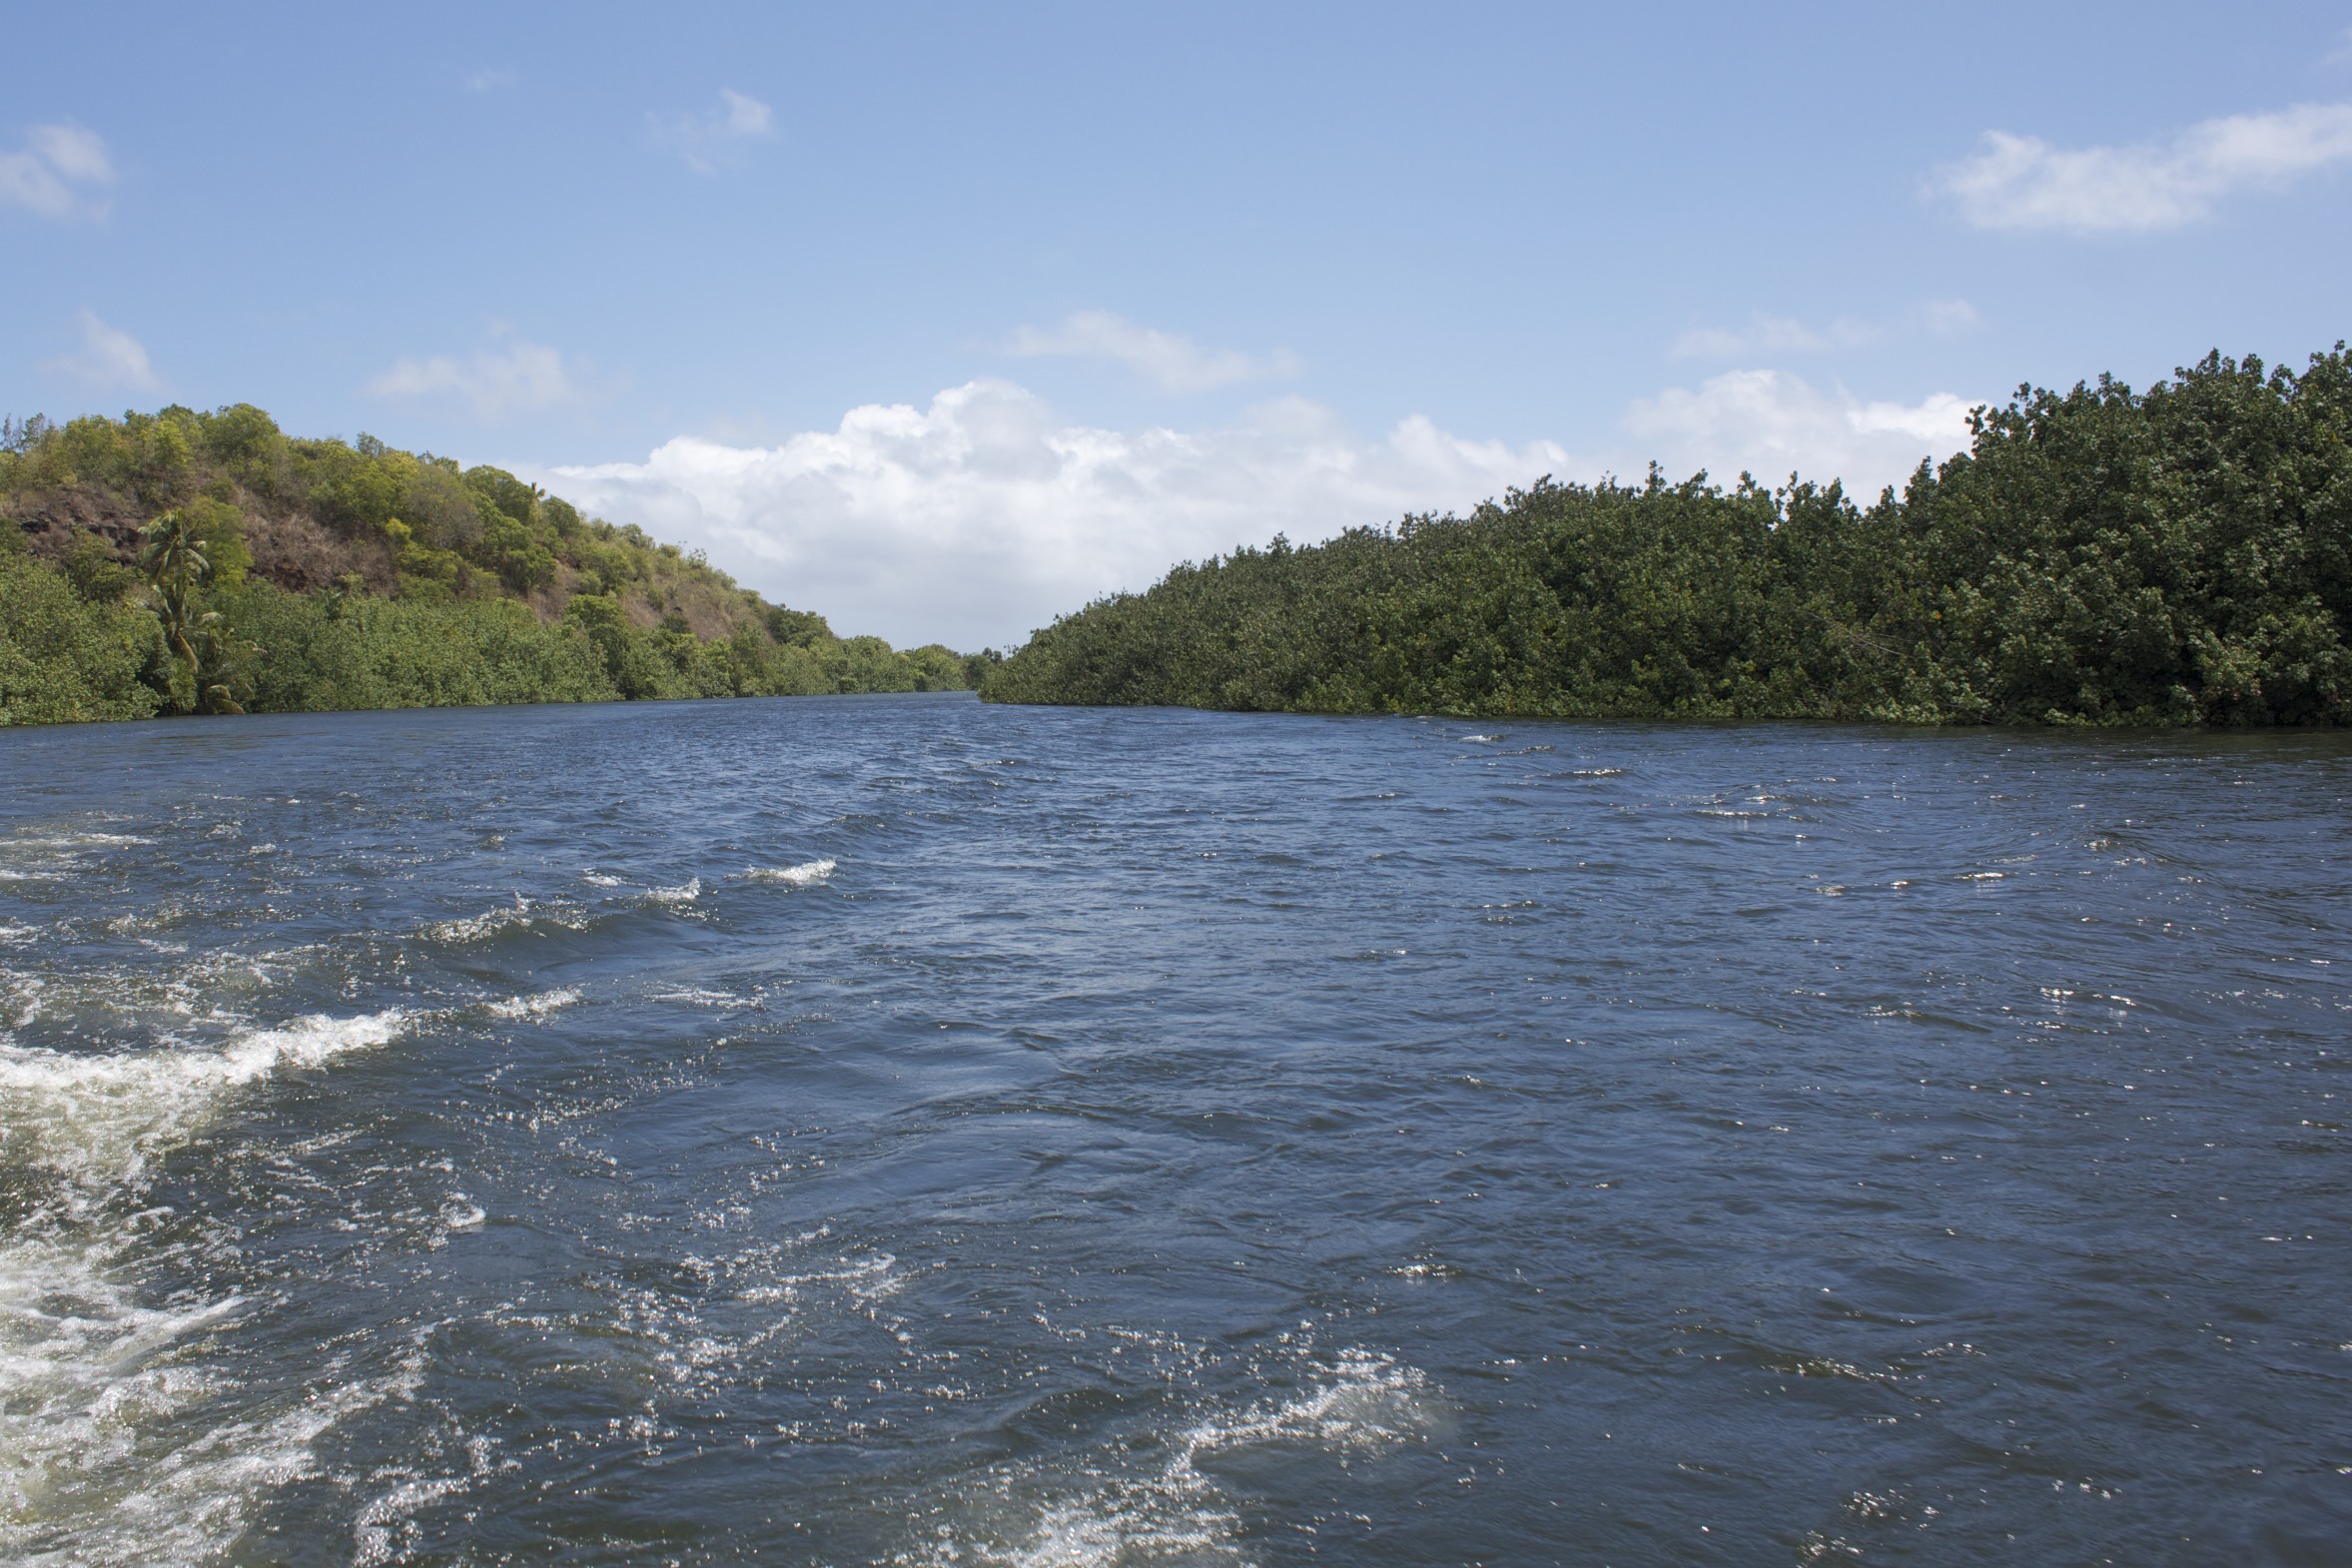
point(942, 321)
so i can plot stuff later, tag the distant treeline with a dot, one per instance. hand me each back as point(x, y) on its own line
point(207, 562)
point(2099, 556)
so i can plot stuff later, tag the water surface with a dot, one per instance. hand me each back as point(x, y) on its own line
point(898, 1130)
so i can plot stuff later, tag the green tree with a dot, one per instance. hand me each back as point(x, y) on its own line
point(204, 655)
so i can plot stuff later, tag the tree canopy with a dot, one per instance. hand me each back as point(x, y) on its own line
point(2181, 555)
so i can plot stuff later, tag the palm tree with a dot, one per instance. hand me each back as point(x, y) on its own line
point(175, 568)
point(174, 559)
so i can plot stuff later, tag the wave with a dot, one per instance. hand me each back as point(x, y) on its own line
point(87, 1375)
point(1366, 1402)
point(1370, 1401)
point(702, 997)
point(472, 928)
point(73, 841)
point(96, 1119)
point(685, 893)
point(805, 875)
point(56, 857)
point(538, 1006)
point(522, 912)
point(90, 1374)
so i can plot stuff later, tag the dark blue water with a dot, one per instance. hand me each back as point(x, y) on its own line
point(899, 1130)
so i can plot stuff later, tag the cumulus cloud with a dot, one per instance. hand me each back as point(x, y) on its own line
point(1174, 363)
point(2022, 182)
point(1770, 424)
point(712, 139)
point(512, 378)
point(108, 359)
point(57, 172)
point(1765, 334)
point(982, 516)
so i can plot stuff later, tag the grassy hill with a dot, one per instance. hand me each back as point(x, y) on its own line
point(198, 562)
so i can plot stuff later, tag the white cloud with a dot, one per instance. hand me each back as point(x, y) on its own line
point(514, 377)
point(1785, 335)
point(1947, 317)
point(1770, 335)
point(1174, 363)
point(55, 173)
point(981, 518)
point(1770, 424)
point(488, 79)
point(109, 359)
point(2021, 181)
point(716, 137)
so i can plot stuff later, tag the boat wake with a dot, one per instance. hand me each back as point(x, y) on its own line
point(118, 1444)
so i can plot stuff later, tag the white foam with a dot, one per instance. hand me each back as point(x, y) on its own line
point(1367, 1402)
point(89, 1375)
point(73, 841)
point(699, 996)
point(685, 893)
point(474, 927)
point(83, 1369)
point(96, 1119)
point(1370, 1401)
point(385, 1527)
point(805, 875)
point(538, 1006)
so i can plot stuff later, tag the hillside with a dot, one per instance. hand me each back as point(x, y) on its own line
point(207, 561)
point(2099, 556)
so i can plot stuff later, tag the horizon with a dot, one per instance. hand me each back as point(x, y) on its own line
point(941, 325)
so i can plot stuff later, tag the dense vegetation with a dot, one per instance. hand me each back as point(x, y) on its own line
point(207, 562)
point(2178, 556)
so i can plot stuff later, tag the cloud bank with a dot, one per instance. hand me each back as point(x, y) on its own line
point(58, 173)
point(2024, 183)
point(980, 517)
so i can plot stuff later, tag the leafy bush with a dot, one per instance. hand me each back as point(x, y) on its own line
point(64, 660)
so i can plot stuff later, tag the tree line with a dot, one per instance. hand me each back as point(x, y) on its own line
point(206, 562)
point(2179, 556)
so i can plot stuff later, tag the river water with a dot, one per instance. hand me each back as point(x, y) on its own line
point(899, 1130)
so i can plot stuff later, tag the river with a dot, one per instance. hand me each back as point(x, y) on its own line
point(902, 1131)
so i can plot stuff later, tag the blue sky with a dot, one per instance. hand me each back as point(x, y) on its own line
point(941, 319)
